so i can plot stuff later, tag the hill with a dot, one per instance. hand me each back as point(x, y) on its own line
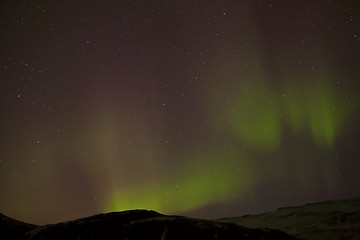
point(330, 220)
point(136, 224)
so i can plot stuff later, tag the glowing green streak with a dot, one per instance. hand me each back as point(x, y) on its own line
point(295, 107)
point(189, 190)
point(258, 114)
point(256, 118)
point(317, 108)
point(323, 116)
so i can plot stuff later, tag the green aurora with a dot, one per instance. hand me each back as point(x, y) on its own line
point(260, 116)
point(189, 189)
point(205, 108)
point(259, 119)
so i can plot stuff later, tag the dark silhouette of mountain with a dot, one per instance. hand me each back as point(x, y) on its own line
point(330, 220)
point(13, 229)
point(136, 224)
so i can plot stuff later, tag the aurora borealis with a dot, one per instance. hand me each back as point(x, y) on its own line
point(202, 108)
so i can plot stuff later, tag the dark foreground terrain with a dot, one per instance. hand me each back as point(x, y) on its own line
point(136, 224)
point(330, 220)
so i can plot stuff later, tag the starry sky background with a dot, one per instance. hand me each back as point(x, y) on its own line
point(201, 108)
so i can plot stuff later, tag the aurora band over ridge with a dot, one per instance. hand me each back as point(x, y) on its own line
point(259, 119)
point(226, 178)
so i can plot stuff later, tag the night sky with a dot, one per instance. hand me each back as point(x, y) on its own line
point(201, 108)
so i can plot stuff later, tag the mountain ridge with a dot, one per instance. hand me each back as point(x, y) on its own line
point(331, 220)
point(143, 224)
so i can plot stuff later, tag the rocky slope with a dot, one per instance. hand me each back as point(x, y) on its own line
point(331, 220)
